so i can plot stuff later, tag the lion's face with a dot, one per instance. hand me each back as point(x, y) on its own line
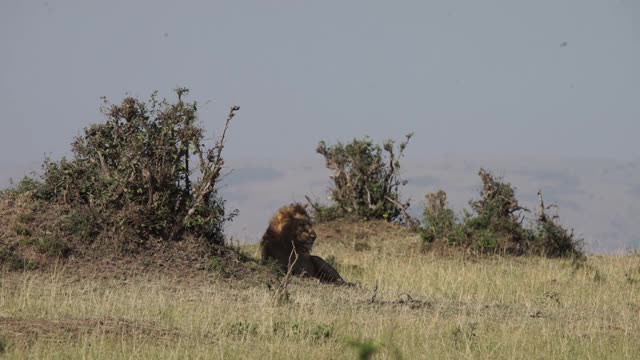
point(290, 224)
point(305, 235)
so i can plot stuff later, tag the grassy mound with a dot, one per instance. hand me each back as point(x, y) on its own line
point(36, 235)
point(140, 190)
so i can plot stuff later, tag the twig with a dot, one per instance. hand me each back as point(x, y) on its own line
point(375, 293)
point(281, 291)
point(220, 144)
point(211, 169)
point(542, 217)
point(313, 205)
point(403, 208)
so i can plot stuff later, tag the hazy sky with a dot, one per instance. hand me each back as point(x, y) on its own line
point(547, 84)
point(524, 77)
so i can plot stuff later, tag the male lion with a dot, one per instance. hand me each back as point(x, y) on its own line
point(291, 225)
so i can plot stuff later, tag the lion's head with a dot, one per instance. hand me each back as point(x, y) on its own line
point(293, 223)
point(305, 235)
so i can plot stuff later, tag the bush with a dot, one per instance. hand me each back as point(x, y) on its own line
point(84, 225)
point(365, 179)
point(132, 175)
point(495, 224)
point(52, 247)
point(440, 221)
point(552, 239)
point(26, 185)
point(497, 219)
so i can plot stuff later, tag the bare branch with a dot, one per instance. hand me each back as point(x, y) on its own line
point(312, 204)
point(282, 292)
point(410, 221)
point(375, 293)
point(211, 170)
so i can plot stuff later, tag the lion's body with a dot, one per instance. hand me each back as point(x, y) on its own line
point(291, 225)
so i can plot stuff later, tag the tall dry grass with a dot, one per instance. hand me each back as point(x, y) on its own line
point(424, 307)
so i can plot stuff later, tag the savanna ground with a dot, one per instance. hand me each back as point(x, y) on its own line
point(423, 306)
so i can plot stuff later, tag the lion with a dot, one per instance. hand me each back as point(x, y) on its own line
point(291, 225)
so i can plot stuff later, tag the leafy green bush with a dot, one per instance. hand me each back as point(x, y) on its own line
point(365, 179)
point(552, 239)
point(132, 175)
point(84, 225)
point(485, 241)
point(26, 185)
point(495, 224)
point(440, 221)
point(498, 210)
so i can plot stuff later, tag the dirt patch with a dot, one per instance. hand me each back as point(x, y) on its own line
point(74, 328)
point(404, 300)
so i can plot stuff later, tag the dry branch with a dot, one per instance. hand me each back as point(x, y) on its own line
point(375, 293)
point(211, 167)
point(281, 292)
point(312, 204)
